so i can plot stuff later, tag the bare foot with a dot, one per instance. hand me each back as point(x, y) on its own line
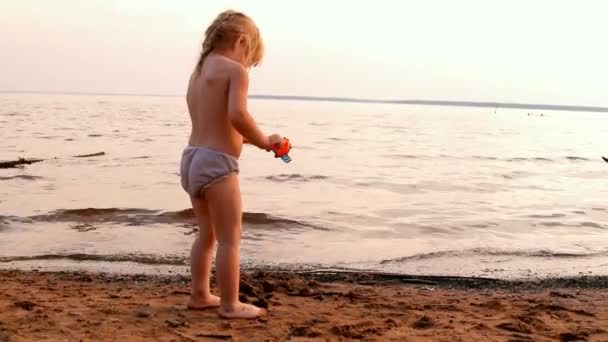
point(199, 303)
point(242, 311)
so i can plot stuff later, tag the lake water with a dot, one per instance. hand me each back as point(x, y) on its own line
point(392, 188)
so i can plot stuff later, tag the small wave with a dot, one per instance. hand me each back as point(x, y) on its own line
point(430, 186)
point(493, 158)
point(83, 227)
point(90, 212)
point(265, 219)
point(127, 216)
point(3, 223)
point(249, 218)
point(10, 218)
point(543, 159)
point(404, 156)
point(140, 217)
point(574, 158)
point(584, 224)
point(186, 214)
point(485, 158)
point(587, 224)
point(516, 174)
point(488, 252)
point(521, 159)
point(25, 177)
point(547, 216)
point(14, 114)
point(138, 258)
point(295, 177)
point(394, 187)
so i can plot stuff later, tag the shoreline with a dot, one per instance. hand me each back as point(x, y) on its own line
point(471, 268)
point(306, 306)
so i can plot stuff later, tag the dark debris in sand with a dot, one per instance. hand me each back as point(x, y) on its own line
point(26, 305)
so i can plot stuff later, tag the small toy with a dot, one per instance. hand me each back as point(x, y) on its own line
point(282, 150)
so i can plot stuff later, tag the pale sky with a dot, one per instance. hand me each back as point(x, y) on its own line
point(535, 51)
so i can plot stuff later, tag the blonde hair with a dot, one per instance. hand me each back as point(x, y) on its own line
point(227, 27)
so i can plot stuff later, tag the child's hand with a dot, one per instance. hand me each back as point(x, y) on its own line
point(274, 139)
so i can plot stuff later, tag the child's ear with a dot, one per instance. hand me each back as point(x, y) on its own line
point(243, 41)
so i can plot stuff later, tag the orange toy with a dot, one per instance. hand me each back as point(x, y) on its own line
point(282, 150)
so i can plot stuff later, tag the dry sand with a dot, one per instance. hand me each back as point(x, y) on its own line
point(77, 306)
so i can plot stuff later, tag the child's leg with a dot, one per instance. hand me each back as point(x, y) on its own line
point(225, 210)
point(200, 258)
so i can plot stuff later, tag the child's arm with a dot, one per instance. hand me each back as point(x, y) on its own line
point(240, 118)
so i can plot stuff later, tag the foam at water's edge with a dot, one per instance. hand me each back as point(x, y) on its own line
point(490, 252)
point(295, 177)
point(138, 258)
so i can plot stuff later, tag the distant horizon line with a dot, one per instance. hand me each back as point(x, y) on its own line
point(422, 102)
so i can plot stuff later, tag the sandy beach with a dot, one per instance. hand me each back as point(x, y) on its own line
point(380, 171)
point(76, 306)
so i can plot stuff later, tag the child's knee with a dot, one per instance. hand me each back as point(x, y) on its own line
point(229, 240)
point(229, 235)
point(209, 233)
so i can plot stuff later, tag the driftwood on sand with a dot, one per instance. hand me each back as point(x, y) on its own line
point(23, 161)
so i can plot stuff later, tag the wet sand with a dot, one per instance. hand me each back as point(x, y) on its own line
point(72, 306)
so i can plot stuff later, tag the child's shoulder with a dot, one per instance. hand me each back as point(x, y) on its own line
point(220, 67)
point(227, 64)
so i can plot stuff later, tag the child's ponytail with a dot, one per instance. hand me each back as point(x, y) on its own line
point(225, 29)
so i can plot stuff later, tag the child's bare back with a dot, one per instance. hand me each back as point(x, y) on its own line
point(208, 103)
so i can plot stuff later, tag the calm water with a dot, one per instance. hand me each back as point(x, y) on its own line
point(412, 189)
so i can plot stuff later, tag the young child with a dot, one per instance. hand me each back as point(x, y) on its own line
point(217, 102)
